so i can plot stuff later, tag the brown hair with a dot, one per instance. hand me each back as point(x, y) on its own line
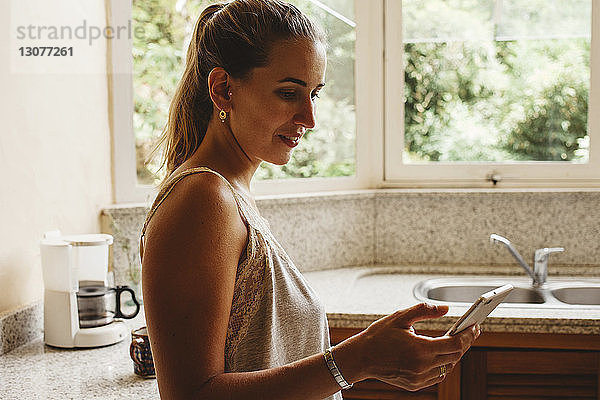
point(236, 36)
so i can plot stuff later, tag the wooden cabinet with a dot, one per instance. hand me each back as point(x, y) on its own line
point(506, 366)
point(529, 374)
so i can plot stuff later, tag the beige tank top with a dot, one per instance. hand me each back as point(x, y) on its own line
point(276, 318)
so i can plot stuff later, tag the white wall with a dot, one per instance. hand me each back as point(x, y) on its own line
point(55, 168)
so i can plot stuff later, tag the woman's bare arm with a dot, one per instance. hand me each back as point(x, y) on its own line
point(193, 245)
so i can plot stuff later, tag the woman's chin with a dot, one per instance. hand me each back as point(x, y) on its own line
point(281, 160)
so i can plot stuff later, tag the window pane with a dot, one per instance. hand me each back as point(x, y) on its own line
point(501, 81)
point(159, 58)
point(158, 62)
point(329, 149)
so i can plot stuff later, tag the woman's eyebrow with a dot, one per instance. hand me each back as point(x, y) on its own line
point(293, 80)
point(298, 81)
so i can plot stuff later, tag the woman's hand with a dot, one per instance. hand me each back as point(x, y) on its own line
point(392, 352)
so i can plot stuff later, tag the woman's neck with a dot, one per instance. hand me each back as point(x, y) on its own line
point(221, 152)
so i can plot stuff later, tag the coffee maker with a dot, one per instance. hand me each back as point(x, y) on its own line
point(81, 306)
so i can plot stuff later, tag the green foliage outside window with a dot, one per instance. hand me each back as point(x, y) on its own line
point(503, 80)
point(475, 100)
point(158, 62)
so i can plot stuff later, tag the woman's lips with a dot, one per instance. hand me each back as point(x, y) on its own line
point(291, 141)
point(293, 138)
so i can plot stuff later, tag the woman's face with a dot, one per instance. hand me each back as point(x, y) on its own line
point(273, 107)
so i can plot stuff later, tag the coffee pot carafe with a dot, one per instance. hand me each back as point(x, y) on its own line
point(81, 309)
point(100, 305)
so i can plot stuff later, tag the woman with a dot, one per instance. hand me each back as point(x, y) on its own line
point(228, 314)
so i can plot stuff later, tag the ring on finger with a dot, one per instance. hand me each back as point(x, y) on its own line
point(443, 371)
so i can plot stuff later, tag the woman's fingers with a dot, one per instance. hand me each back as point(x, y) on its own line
point(446, 351)
point(438, 374)
point(419, 312)
point(412, 361)
point(456, 343)
point(430, 377)
point(443, 359)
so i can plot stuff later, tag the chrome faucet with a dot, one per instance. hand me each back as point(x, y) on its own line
point(541, 263)
point(540, 270)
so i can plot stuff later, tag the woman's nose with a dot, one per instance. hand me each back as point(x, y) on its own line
point(306, 115)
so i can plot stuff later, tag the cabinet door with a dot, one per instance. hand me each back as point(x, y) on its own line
point(509, 374)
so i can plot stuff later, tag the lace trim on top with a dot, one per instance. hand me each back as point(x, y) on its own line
point(248, 287)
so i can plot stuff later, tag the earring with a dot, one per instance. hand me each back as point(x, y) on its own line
point(222, 115)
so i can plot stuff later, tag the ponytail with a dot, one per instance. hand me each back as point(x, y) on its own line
point(191, 107)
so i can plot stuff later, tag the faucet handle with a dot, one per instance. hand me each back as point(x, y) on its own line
point(541, 263)
point(542, 254)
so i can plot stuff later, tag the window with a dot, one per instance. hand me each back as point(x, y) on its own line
point(421, 93)
point(327, 155)
point(495, 90)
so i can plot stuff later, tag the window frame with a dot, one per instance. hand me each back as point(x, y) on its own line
point(369, 113)
point(379, 122)
point(464, 174)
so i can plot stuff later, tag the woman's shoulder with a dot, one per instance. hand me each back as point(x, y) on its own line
point(201, 184)
point(196, 203)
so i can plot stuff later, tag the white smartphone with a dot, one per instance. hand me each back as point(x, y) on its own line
point(484, 305)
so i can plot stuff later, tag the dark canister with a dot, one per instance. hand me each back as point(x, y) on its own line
point(140, 353)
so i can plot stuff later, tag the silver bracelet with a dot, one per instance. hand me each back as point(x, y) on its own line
point(337, 375)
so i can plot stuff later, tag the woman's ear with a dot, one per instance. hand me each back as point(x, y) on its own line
point(219, 83)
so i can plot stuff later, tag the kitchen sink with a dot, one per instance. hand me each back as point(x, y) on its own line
point(589, 295)
point(468, 294)
point(562, 293)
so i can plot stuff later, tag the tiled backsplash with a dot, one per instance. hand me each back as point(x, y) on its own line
point(445, 228)
point(450, 227)
point(323, 232)
point(18, 327)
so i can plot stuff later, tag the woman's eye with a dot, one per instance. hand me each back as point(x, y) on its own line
point(293, 95)
point(287, 94)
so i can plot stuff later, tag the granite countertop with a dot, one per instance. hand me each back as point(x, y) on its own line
point(352, 301)
point(37, 371)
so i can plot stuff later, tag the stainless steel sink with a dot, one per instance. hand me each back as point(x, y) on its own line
point(468, 294)
point(562, 293)
point(589, 295)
